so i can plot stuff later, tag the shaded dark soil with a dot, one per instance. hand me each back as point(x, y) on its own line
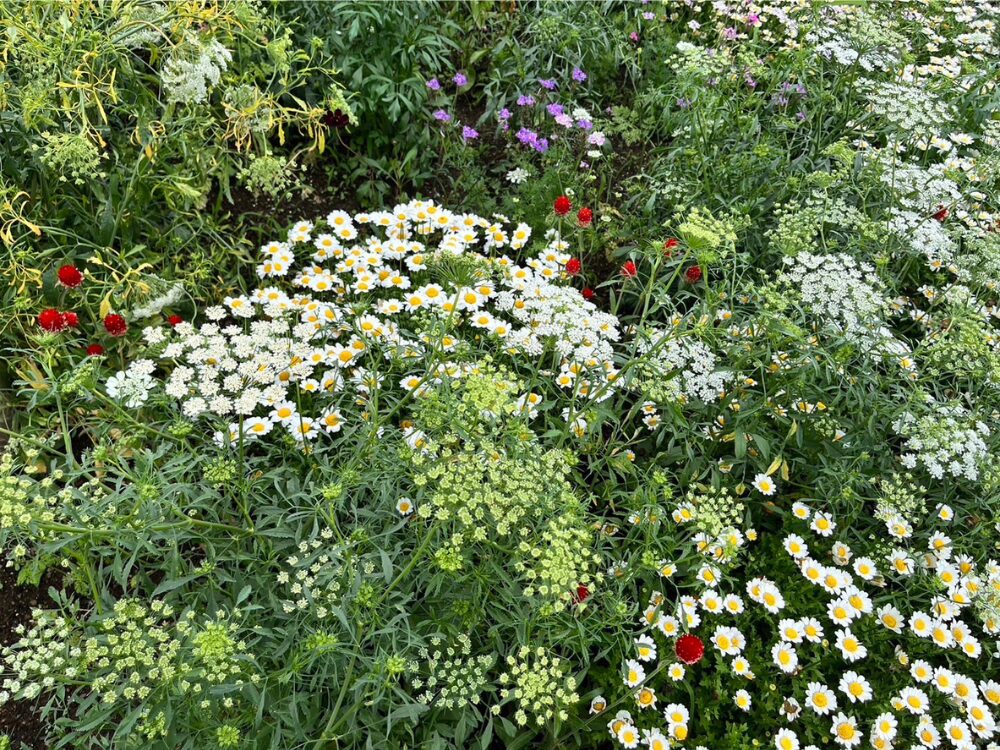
point(21, 720)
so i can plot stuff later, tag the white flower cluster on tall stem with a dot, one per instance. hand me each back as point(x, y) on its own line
point(946, 440)
point(193, 67)
point(839, 290)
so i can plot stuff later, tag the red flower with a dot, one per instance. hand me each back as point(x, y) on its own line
point(71, 319)
point(175, 319)
point(629, 270)
point(941, 214)
point(115, 324)
point(585, 216)
point(562, 206)
point(69, 276)
point(95, 350)
point(588, 293)
point(52, 320)
point(582, 594)
point(669, 245)
point(573, 266)
point(693, 274)
point(689, 649)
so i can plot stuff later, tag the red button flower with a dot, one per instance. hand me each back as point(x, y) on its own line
point(941, 214)
point(588, 293)
point(95, 350)
point(115, 324)
point(573, 266)
point(629, 270)
point(689, 649)
point(71, 319)
point(562, 206)
point(175, 319)
point(52, 320)
point(69, 276)
point(669, 245)
point(585, 216)
point(693, 274)
point(582, 594)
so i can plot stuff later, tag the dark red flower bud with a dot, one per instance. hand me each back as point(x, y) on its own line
point(115, 324)
point(69, 276)
point(588, 293)
point(689, 649)
point(941, 214)
point(71, 319)
point(693, 274)
point(562, 206)
point(52, 320)
point(585, 216)
point(175, 319)
point(629, 270)
point(95, 350)
point(582, 594)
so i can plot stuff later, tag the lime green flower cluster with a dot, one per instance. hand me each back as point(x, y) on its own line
point(965, 348)
point(559, 561)
point(902, 497)
point(715, 509)
point(539, 684)
point(454, 678)
point(33, 511)
point(217, 651)
point(71, 156)
point(707, 236)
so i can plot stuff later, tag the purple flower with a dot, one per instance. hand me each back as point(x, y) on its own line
point(584, 124)
point(442, 116)
point(526, 136)
point(584, 165)
point(555, 109)
point(469, 134)
point(460, 79)
point(565, 120)
point(541, 145)
point(753, 20)
point(683, 103)
point(548, 83)
point(504, 114)
point(525, 100)
point(579, 76)
point(801, 116)
point(434, 84)
point(649, 16)
point(730, 33)
point(596, 139)
point(634, 37)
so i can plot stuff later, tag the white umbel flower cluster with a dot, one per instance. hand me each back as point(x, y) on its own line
point(132, 386)
point(193, 68)
point(840, 291)
point(682, 368)
point(946, 440)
